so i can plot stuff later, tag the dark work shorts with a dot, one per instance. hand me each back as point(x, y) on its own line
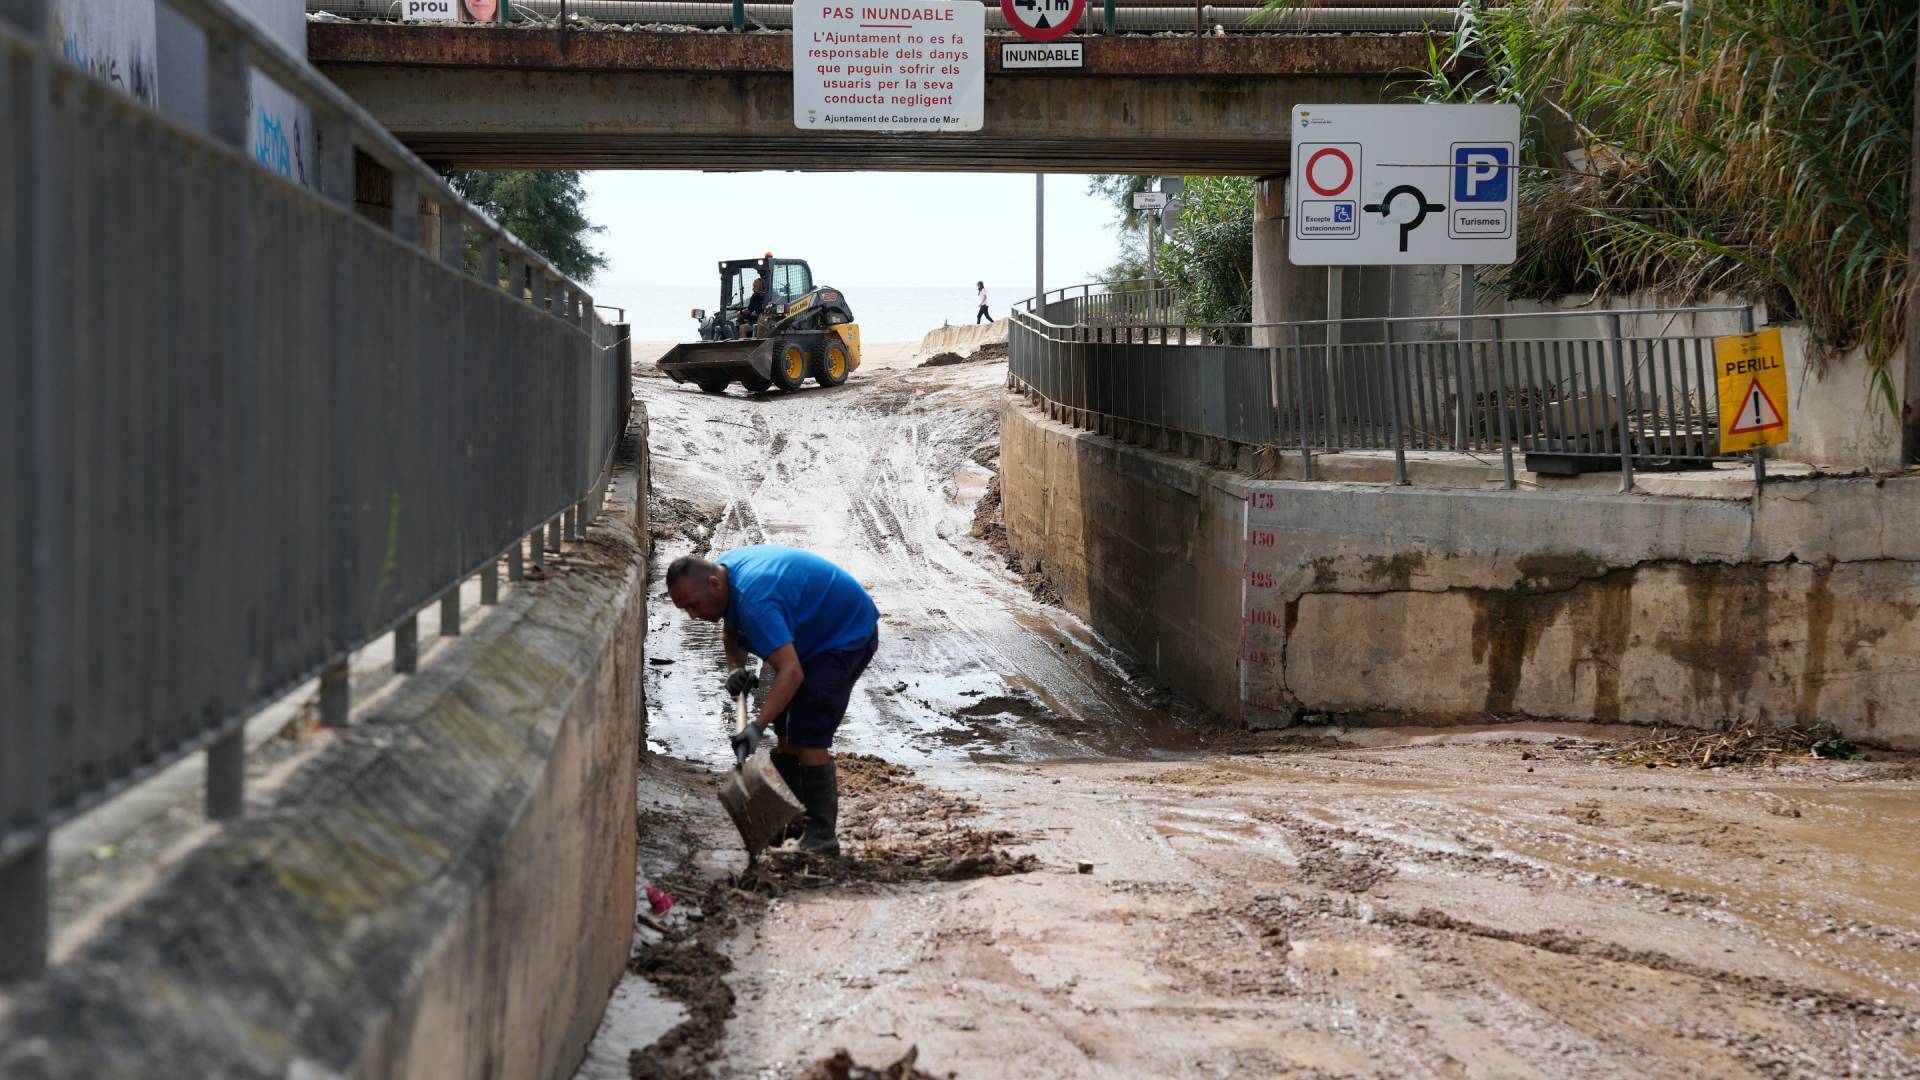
point(820, 704)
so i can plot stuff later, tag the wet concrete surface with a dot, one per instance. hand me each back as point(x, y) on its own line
point(1194, 901)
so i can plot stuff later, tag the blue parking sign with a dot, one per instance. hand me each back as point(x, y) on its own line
point(1480, 173)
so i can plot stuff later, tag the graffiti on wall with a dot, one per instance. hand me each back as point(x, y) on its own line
point(114, 40)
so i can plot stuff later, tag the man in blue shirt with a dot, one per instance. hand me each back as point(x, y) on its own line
point(817, 628)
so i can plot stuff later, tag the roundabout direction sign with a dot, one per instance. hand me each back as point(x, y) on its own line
point(1385, 185)
point(1043, 20)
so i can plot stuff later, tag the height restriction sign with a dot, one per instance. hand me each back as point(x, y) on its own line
point(1752, 374)
point(1043, 20)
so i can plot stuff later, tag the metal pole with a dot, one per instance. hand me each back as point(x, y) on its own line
point(1463, 331)
point(1500, 388)
point(516, 561)
point(1107, 20)
point(1336, 290)
point(1300, 372)
point(1620, 404)
point(335, 697)
point(490, 584)
point(1393, 392)
point(406, 644)
point(450, 612)
point(23, 880)
point(1153, 250)
point(1759, 452)
point(739, 14)
point(553, 535)
point(227, 775)
point(1039, 242)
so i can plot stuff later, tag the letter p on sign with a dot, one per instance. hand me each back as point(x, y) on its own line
point(1480, 174)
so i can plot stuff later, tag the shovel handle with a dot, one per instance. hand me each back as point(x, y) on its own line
point(740, 721)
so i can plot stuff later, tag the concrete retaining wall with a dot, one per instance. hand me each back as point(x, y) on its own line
point(445, 891)
point(1452, 605)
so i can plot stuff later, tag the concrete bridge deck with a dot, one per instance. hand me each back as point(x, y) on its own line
point(479, 97)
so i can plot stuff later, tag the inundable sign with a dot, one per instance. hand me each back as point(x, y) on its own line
point(889, 67)
point(1752, 373)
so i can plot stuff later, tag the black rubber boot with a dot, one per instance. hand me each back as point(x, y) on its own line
point(788, 766)
point(821, 793)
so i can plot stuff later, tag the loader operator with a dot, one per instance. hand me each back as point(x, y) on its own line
point(817, 628)
point(756, 306)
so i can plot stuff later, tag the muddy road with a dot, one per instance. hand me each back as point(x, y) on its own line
point(1057, 871)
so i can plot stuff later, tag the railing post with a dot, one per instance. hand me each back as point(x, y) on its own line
point(1506, 435)
point(227, 775)
point(406, 206)
point(517, 275)
point(335, 695)
point(516, 561)
point(1759, 452)
point(739, 14)
point(23, 913)
point(1107, 19)
point(1393, 392)
point(569, 524)
point(489, 268)
point(335, 135)
point(453, 237)
point(450, 612)
point(490, 583)
point(406, 644)
point(1300, 376)
point(1620, 404)
point(553, 534)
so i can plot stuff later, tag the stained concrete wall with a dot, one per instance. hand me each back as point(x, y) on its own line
point(445, 891)
point(1456, 605)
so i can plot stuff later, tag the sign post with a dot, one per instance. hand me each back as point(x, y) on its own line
point(1153, 202)
point(918, 66)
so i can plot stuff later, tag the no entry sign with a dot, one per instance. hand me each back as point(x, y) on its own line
point(1043, 20)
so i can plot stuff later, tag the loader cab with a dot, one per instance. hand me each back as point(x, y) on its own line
point(787, 280)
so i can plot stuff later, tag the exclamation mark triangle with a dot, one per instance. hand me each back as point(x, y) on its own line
point(1756, 412)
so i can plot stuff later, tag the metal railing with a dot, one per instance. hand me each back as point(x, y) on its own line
point(249, 429)
point(1492, 384)
point(1101, 16)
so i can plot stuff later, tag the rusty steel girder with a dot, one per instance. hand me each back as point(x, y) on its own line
point(1239, 55)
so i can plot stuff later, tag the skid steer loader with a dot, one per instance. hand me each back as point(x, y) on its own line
point(802, 332)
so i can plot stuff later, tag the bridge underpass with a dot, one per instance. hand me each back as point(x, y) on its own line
point(1059, 868)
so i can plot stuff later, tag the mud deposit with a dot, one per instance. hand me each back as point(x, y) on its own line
point(1056, 869)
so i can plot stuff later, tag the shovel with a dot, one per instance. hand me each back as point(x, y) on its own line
point(755, 797)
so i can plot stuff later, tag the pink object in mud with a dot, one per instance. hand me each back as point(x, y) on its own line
point(658, 900)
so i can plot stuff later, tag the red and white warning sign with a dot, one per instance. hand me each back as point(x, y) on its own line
point(1043, 20)
point(1756, 413)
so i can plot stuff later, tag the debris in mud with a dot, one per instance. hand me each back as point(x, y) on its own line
point(992, 350)
point(945, 359)
point(692, 972)
point(893, 829)
point(1740, 747)
point(841, 1066)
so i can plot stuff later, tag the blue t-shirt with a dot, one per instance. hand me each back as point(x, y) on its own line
point(781, 595)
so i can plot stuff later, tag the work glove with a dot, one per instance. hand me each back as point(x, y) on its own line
point(741, 681)
point(746, 741)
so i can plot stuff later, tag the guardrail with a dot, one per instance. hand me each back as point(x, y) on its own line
point(248, 429)
point(1101, 16)
point(1478, 384)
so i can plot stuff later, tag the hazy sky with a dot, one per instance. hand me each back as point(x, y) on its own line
point(923, 229)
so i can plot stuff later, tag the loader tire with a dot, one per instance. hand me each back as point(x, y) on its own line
point(713, 384)
point(789, 364)
point(755, 384)
point(830, 361)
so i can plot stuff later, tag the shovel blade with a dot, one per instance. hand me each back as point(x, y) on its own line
point(758, 802)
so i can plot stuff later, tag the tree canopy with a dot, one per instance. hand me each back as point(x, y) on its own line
point(546, 210)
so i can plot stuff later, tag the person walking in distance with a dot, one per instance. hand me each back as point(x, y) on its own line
point(982, 313)
point(817, 628)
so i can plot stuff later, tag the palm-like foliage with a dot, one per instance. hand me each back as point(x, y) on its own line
point(1760, 146)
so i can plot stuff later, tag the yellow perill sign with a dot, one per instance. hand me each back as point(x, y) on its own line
point(1753, 390)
